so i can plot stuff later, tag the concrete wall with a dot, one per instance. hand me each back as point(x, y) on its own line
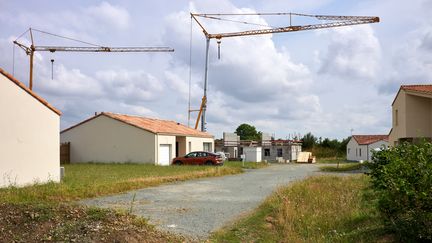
point(104, 139)
point(287, 152)
point(29, 138)
point(252, 154)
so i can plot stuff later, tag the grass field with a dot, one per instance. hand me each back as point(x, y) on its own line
point(343, 167)
point(46, 212)
point(91, 180)
point(319, 209)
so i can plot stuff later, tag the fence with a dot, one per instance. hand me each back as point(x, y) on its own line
point(65, 153)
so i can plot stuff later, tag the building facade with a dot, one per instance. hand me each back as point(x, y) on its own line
point(411, 114)
point(361, 147)
point(29, 136)
point(109, 137)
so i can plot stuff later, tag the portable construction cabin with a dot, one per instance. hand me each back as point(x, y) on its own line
point(29, 135)
point(109, 137)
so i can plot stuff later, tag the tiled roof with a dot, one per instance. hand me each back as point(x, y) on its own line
point(420, 88)
point(22, 86)
point(424, 88)
point(152, 125)
point(368, 139)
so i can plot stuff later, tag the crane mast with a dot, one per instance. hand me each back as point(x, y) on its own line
point(338, 22)
point(30, 50)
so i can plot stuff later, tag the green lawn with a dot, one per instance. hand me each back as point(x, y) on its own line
point(318, 209)
point(343, 167)
point(91, 180)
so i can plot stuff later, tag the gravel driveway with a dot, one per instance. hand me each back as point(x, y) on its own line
point(196, 208)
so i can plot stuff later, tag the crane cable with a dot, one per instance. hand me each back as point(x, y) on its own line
point(235, 21)
point(190, 70)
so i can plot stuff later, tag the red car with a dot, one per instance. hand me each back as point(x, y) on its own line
point(199, 158)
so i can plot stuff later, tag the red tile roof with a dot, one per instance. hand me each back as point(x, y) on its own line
point(22, 86)
point(162, 127)
point(424, 88)
point(420, 88)
point(368, 139)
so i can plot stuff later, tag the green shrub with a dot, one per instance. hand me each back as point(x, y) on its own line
point(402, 177)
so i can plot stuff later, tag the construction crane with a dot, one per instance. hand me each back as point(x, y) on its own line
point(337, 21)
point(30, 50)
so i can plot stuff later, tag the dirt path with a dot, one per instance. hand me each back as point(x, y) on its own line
point(198, 207)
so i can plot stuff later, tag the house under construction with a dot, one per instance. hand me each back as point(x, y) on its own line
point(267, 149)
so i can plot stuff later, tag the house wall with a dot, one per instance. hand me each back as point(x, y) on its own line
point(197, 143)
point(353, 151)
point(418, 113)
point(165, 139)
point(399, 127)
point(104, 139)
point(286, 152)
point(29, 138)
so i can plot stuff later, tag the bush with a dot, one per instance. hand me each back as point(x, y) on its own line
point(402, 178)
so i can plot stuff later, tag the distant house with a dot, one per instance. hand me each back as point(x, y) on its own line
point(29, 135)
point(411, 114)
point(360, 147)
point(109, 137)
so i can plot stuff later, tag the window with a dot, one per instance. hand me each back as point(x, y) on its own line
point(396, 117)
point(191, 155)
point(279, 152)
point(348, 150)
point(207, 147)
point(360, 152)
point(190, 147)
point(356, 152)
point(266, 152)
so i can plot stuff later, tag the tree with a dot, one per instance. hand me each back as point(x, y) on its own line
point(309, 140)
point(248, 132)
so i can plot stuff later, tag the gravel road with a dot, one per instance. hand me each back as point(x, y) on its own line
point(196, 208)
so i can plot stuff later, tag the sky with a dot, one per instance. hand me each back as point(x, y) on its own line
point(331, 82)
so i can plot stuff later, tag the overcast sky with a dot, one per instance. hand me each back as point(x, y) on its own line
point(323, 81)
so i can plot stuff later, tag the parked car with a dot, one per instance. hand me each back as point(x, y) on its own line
point(223, 155)
point(199, 158)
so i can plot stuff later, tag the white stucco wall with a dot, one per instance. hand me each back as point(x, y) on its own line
point(198, 143)
point(29, 138)
point(165, 139)
point(104, 139)
point(354, 149)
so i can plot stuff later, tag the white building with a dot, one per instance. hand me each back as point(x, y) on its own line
point(29, 135)
point(109, 137)
point(360, 147)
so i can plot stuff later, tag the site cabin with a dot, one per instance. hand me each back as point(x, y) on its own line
point(109, 137)
point(29, 136)
point(360, 147)
point(412, 114)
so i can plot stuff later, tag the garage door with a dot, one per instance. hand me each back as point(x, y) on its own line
point(164, 154)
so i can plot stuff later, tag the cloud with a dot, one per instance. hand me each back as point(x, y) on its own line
point(110, 15)
point(353, 52)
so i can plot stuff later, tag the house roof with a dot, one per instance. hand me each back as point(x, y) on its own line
point(369, 139)
point(157, 126)
point(30, 92)
point(419, 88)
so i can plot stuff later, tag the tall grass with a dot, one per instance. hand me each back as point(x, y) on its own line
point(319, 209)
point(92, 180)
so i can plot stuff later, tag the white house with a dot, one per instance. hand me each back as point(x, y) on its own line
point(360, 147)
point(29, 135)
point(109, 137)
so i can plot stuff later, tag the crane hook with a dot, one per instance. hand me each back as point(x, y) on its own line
point(52, 69)
point(218, 42)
